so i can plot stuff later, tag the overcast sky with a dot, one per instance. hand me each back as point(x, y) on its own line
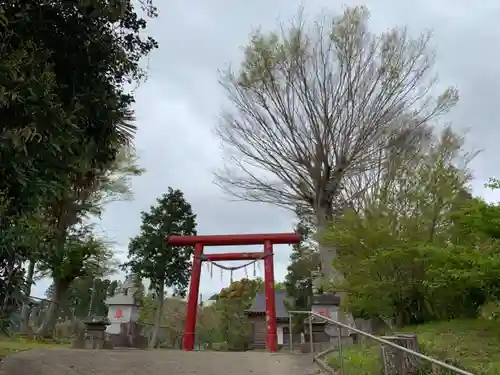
point(177, 107)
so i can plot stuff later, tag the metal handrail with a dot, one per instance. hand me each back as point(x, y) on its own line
point(380, 340)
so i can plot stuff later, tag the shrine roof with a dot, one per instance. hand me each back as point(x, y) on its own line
point(326, 299)
point(121, 299)
point(259, 304)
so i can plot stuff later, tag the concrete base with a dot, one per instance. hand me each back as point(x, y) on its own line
point(130, 337)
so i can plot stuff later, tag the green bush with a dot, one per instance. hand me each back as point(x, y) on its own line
point(68, 329)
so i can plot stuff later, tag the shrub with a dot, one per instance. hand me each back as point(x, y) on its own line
point(68, 328)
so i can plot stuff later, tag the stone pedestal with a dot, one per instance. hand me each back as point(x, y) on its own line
point(328, 305)
point(94, 336)
point(130, 337)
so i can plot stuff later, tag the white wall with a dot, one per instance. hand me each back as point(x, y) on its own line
point(129, 314)
point(279, 333)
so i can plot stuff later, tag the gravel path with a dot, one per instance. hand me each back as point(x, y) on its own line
point(154, 362)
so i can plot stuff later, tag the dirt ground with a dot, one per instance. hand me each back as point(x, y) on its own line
point(154, 362)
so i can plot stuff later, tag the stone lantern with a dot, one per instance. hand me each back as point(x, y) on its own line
point(94, 336)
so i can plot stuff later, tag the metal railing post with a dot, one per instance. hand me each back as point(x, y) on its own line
point(339, 341)
point(311, 343)
point(384, 362)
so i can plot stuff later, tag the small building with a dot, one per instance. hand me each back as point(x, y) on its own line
point(123, 307)
point(257, 316)
point(325, 304)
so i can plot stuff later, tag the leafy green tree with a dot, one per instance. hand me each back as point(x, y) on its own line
point(304, 259)
point(83, 255)
point(231, 305)
point(474, 220)
point(65, 112)
point(208, 329)
point(225, 320)
point(67, 66)
point(61, 262)
point(408, 255)
point(21, 234)
point(147, 309)
point(151, 257)
point(474, 264)
point(173, 318)
point(86, 295)
point(174, 312)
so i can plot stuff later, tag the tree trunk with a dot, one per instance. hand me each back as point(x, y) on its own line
point(25, 313)
point(7, 288)
point(60, 289)
point(400, 318)
point(397, 362)
point(326, 253)
point(158, 315)
point(327, 256)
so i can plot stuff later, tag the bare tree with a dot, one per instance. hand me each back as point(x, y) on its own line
point(313, 110)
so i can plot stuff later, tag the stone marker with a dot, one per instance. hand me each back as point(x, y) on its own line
point(94, 336)
point(123, 313)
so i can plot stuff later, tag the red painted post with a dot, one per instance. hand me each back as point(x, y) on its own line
point(235, 239)
point(194, 288)
point(271, 336)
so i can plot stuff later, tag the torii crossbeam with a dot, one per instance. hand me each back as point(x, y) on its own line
point(199, 242)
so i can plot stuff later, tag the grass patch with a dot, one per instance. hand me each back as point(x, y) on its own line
point(15, 344)
point(473, 345)
point(361, 360)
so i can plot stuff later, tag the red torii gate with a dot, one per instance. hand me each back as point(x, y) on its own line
point(199, 242)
